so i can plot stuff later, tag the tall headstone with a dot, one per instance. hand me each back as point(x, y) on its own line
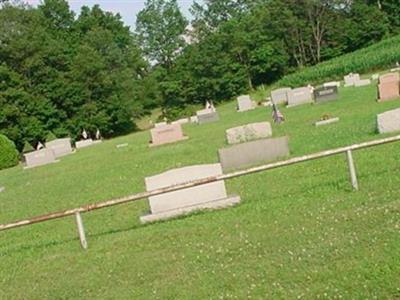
point(299, 96)
point(60, 147)
point(326, 94)
point(207, 196)
point(167, 134)
point(39, 158)
point(280, 96)
point(254, 152)
point(244, 103)
point(389, 121)
point(389, 87)
point(248, 132)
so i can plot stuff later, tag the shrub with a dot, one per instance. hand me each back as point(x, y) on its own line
point(8, 153)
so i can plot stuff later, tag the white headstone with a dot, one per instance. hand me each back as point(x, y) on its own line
point(299, 96)
point(280, 96)
point(210, 195)
point(60, 147)
point(389, 121)
point(244, 103)
point(39, 158)
point(248, 132)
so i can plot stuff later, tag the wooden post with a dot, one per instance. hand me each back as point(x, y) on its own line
point(352, 169)
point(81, 230)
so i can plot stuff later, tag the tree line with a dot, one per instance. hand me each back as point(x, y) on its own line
point(62, 73)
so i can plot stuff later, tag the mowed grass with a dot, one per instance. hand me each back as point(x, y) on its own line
point(300, 231)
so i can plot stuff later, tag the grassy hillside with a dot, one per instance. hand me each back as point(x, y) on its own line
point(300, 231)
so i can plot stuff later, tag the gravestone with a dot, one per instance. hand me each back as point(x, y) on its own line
point(160, 124)
point(39, 158)
point(389, 121)
point(299, 96)
point(326, 94)
point(181, 121)
point(167, 134)
point(351, 79)
point(362, 82)
point(2, 189)
point(207, 116)
point(280, 96)
point(332, 83)
point(389, 87)
point(254, 152)
point(60, 147)
point(248, 132)
point(86, 143)
point(327, 122)
point(207, 196)
point(244, 103)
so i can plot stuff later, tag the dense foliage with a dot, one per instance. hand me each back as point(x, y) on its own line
point(238, 44)
point(8, 153)
point(63, 73)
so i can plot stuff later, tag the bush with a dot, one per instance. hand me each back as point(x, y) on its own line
point(8, 153)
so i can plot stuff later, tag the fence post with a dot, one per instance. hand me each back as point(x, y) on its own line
point(81, 230)
point(352, 169)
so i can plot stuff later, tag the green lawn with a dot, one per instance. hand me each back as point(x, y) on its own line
point(300, 231)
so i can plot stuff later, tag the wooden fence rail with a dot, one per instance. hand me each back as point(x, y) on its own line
point(135, 197)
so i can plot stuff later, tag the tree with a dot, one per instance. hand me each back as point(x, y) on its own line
point(160, 27)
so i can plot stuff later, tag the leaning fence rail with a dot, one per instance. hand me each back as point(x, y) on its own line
point(135, 197)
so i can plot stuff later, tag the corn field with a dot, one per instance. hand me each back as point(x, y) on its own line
point(375, 57)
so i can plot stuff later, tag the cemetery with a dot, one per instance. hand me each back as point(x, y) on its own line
point(297, 199)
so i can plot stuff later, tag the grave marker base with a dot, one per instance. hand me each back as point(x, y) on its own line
point(218, 204)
